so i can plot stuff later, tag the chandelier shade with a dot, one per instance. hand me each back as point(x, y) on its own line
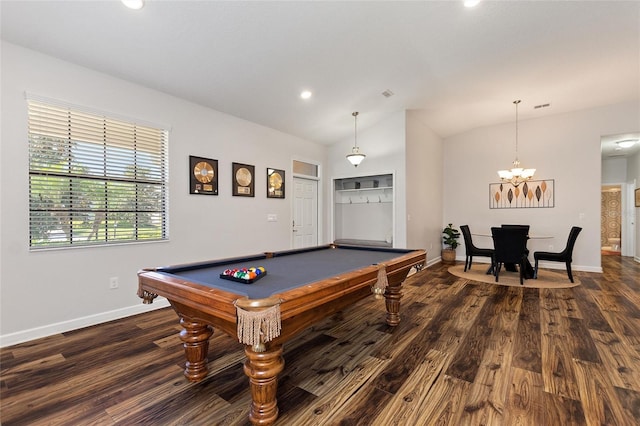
point(516, 174)
point(356, 157)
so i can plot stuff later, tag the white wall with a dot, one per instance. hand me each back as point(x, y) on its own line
point(633, 168)
point(384, 146)
point(51, 291)
point(424, 187)
point(364, 221)
point(614, 170)
point(564, 147)
point(633, 179)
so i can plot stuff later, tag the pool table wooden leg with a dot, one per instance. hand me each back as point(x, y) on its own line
point(195, 336)
point(263, 368)
point(392, 297)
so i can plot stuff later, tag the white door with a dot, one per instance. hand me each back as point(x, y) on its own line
point(305, 213)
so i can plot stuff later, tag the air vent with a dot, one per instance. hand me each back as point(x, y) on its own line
point(541, 106)
point(387, 93)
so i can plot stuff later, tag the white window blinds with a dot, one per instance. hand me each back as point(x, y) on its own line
point(94, 179)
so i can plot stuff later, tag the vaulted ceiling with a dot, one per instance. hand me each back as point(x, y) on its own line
point(460, 67)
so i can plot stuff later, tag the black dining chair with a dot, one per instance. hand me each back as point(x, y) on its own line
point(516, 227)
point(563, 256)
point(510, 247)
point(510, 267)
point(471, 249)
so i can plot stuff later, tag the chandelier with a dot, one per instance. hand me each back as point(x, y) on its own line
point(356, 156)
point(517, 174)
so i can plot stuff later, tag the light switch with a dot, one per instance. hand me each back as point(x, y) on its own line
point(272, 217)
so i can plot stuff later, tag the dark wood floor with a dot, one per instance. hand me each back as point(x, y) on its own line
point(465, 353)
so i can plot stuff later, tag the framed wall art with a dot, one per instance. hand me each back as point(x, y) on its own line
point(203, 176)
point(533, 194)
point(243, 179)
point(275, 183)
point(637, 197)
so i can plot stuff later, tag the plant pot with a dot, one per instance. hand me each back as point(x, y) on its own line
point(448, 256)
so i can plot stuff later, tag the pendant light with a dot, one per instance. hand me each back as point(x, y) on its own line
point(356, 156)
point(516, 175)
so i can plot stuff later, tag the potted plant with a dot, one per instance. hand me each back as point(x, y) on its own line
point(450, 239)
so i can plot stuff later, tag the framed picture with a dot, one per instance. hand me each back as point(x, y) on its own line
point(243, 179)
point(533, 194)
point(275, 183)
point(637, 197)
point(203, 176)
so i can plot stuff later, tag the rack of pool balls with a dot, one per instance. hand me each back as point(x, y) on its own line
point(244, 275)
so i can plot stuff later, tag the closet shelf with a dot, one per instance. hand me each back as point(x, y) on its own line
point(364, 202)
point(365, 189)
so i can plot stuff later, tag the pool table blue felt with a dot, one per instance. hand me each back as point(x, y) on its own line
point(284, 272)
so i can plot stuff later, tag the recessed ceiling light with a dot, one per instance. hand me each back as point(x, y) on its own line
point(628, 143)
point(306, 94)
point(133, 4)
point(471, 3)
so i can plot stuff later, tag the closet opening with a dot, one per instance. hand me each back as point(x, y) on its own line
point(363, 210)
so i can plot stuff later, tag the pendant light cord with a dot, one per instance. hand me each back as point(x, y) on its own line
point(355, 129)
point(516, 102)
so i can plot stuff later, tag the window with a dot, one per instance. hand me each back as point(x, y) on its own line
point(94, 180)
point(302, 168)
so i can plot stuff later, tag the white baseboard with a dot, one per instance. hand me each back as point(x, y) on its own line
point(76, 323)
point(546, 265)
point(433, 261)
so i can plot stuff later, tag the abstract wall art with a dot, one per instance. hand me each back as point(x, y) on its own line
point(534, 194)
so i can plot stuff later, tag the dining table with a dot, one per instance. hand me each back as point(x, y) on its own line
point(530, 236)
point(528, 272)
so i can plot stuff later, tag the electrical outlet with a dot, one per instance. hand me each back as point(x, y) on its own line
point(113, 283)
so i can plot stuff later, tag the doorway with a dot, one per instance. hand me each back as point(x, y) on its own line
point(611, 220)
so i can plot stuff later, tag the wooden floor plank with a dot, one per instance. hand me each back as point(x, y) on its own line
point(324, 409)
point(566, 301)
point(557, 372)
point(590, 311)
point(495, 371)
point(527, 349)
point(523, 407)
point(453, 330)
point(620, 361)
point(339, 359)
point(627, 329)
point(403, 365)
point(630, 401)
point(444, 406)
point(466, 362)
point(407, 405)
point(598, 396)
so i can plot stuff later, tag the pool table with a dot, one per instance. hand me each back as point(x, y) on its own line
point(300, 287)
